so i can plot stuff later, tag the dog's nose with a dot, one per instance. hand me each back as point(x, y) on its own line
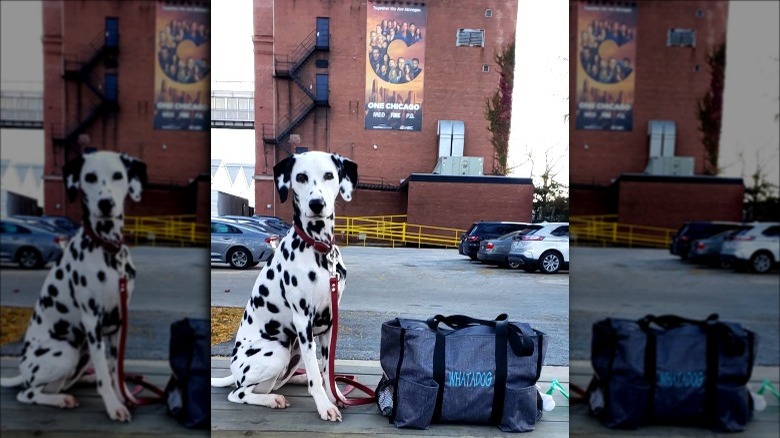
point(316, 205)
point(105, 206)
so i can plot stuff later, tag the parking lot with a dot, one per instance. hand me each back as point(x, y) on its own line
point(631, 283)
point(385, 283)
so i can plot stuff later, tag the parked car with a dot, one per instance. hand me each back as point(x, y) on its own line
point(756, 247)
point(63, 224)
point(479, 231)
point(545, 248)
point(240, 245)
point(28, 245)
point(495, 251)
point(271, 223)
point(693, 230)
point(708, 250)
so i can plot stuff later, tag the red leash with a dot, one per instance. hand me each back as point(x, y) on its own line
point(350, 381)
point(137, 379)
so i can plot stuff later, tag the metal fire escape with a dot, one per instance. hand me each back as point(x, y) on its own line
point(103, 91)
point(289, 67)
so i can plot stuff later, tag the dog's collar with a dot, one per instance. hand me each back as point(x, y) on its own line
point(110, 247)
point(323, 247)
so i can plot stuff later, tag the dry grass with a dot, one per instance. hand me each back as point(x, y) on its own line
point(224, 323)
point(13, 323)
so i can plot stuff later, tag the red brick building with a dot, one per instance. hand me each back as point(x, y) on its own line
point(621, 117)
point(100, 79)
point(317, 84)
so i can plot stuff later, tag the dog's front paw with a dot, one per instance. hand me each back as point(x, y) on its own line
point(68, 402)
point(279, 402)
point(330, 413)
point(118, 412)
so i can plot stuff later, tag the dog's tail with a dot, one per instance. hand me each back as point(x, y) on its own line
point(7, 382)
point(221, 382)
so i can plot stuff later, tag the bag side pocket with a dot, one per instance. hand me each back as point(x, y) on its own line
point(416, 403)
point(626, 403)
point(733, 409)
point(520, 410)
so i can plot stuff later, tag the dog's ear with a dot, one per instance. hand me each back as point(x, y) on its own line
point(348, 175)
point(282, 175)
point(71, 173)
point(136, 176)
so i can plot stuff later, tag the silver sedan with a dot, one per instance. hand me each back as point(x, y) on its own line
point(240, 245)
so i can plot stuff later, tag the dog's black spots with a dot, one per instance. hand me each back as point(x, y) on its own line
point(281, 288)
point(73, 251)
point(245, 315)
point(29, 395)
point(292, 256)
point(289, 333)
point(113, 351)
point(312, 276)
point(234, 358)
point(294, 281)
point(58, 274)
point(252, 351)
point(75, 277)
point(38, 319)
point(341, 270)
point(268, 353)
point(53, 290)
point(302, 337)
point(84, 281)
point(104, 227)
point(111, 321)
point(302, 303)
point(249, 319)
point(235, 350)
point(278, 267)
point(295, 309)
point(286, 278)
point(46, 302)
point(272, 327)
point(295, 243)
point(41, 351)
point(322, 319)
point(309, 332)
point(324, 351)
point(67, 267)
point(246, 369)
point(263, 290)
point(81, 256)
point(315, 227)
point(77, 338)
point(130, 271)
point(272, 308)
point(269, 261)
point(305, 311)
point(285, 253)
point(101, 276)
point(311, 383)
point(91, 338)
point(57, 354)
point(100, 383)
point(257, 301)
point(241, 395)
point(61, 307)
point(270, 274)
point(93, 306)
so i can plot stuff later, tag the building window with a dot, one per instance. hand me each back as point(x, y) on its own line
point(488, 13)
point(485, 68)
point(699, 13)
point(470, 38)
point(681, 38)
point(697, 68)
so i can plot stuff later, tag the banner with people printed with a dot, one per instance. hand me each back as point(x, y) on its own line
point(395, 35)
point(181, 77)
point(606, 52)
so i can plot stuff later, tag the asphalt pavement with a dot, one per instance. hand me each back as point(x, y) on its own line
point(171, 284)
point(632, 283)
point(385, 283)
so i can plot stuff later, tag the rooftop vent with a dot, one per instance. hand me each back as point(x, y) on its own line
point(470, 38)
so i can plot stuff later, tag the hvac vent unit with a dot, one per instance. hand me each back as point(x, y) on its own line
point(459, 166)
point(470, 38)
point(662, 136)
point(681, 38)
point(451, 134)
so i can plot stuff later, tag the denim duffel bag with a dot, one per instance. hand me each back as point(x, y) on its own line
point(459, 369)
point(669, 369)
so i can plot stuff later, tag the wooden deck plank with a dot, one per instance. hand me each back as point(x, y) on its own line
point(763, 424)
point(230, 419)
point(89, 419)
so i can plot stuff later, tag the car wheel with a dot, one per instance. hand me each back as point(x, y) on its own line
point(513, 265)
point(550, 262)
point(761, 262)
point(29, 258)
point(239, 258)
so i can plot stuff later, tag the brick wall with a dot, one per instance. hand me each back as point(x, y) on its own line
point(174, 158)
point(667, 87)
point(669, 201)
point(455, 86)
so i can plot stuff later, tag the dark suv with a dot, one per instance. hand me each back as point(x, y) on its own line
point(694, 230)
point(479, 231)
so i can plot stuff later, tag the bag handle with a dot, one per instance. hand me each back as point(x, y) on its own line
point(521, 344)
point(671, 321)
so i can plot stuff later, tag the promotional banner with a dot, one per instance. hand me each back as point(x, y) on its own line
point(395, 40)
point(181, 68)
point(606, 51)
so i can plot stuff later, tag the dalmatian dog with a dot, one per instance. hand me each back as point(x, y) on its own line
point(290, 304)
point(76, 320)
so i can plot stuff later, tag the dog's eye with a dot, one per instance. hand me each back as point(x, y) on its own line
point(328, 175)
point(301, 178)
point(117, 176)
point(90, 178)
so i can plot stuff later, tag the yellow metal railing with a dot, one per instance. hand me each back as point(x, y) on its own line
point(605, 229)
point(394, 229)
point(179, 230)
